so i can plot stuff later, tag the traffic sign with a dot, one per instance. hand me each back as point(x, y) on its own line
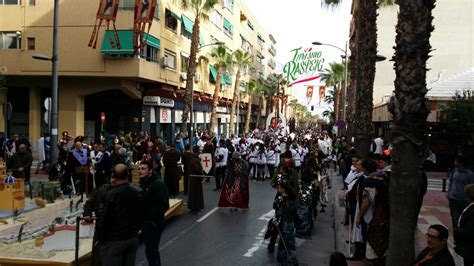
point(47, 106)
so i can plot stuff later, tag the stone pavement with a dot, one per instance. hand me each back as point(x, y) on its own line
point(435, 210)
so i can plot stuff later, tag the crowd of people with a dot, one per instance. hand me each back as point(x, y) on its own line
point(293, 163)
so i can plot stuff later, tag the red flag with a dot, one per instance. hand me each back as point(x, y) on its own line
point(322, 93)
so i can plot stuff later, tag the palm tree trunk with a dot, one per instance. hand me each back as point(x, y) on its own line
point(215, 101)
point(249, 113)
point(335, 103)
point(366, 37)
point(234, 103)
point(190, 77)
point(259, 112)
point(410, 109)
point(340, 101)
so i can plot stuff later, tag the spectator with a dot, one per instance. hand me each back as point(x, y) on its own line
point(156, 203)
point(462, 176)
point(21, 163)
point(120, 221)
point(436, 253)
point(464, 234)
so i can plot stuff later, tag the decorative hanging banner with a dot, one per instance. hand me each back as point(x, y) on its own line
point(322, 93)
point(275, 102)
point(108, 12)
point(143, 18)
point(284, 100)
point(304, 66)
point(309, 92)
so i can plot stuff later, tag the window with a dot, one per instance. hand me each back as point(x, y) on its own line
point(229, 4)
point(10, 40)
point(216, 18)
point(169, 60)
point(228, 29)
point(171, 20)
point(246, 45)
point(184, 63)
point(150, 54)
point(249, 24)
point(32, 3)
point(10, 2)
point(31, 43)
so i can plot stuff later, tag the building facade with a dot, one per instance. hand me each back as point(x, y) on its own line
point(135, 91)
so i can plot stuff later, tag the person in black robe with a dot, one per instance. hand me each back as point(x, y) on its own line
point(194, 168)
point(171, 176)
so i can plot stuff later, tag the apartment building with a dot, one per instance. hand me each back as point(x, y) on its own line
point(135, 91)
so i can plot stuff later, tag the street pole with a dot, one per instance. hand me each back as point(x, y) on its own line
point(238, 114)
point(191, 126)
point(54, 93)
point(344, 102)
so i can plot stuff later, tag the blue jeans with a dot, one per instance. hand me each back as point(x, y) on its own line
point(152, 236)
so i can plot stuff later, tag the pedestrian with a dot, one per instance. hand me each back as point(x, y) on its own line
point(436, 252)
point(430, 161)
point(156, 203)
point(21, 163)
point(462, 176)
point(261, 162)
point(235, 191)
point(464, 234)
point(179, 142)
point(284, 222)
point(172, 175)
point(221, 157)
point(194, 168)
point(120, 221)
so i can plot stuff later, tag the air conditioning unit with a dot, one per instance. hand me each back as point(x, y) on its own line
point(197, 77)
point(183, 75)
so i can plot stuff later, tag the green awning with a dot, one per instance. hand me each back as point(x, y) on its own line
point(227, 25)
point(213, 72)
point(187, 23)
point(126, 42)
point(227, 79)
point(174, 15)
point(152, 41)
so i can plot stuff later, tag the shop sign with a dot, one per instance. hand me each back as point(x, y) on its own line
point(305, 65)
point(166, 102)
point(221, 109)
point(165, 115)
point(151, 100)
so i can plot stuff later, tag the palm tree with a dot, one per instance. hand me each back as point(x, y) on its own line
point(410, 109)
point(255, 88)
point(242, 60)
point(363, 46)
point(333, 76)
point(200, 9)
point(223, 62)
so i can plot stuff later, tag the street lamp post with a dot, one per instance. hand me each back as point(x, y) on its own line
point(345, 76)
point(54, 91)
point(191, 109)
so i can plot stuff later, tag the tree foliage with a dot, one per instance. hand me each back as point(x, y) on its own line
point(459, 113)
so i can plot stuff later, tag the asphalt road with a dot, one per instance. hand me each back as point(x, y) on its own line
point(221, 237)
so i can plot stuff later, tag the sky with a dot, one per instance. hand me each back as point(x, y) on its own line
point(298, 23)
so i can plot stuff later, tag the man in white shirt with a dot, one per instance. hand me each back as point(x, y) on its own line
point(378, 145)
point(222, 153)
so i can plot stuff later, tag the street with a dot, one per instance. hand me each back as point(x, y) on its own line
point(221, 237)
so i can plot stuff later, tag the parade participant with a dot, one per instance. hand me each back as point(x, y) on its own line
point(120, 221)
point(201, 142)
point(235, 191)
point(271, 155)
point(192, 164)
point(436, 252)
point(21, 163)
point(306, 200)
point(43, 152)
point(103, 166)
point(156, 203)
point(261, 162)
point(63, 145)
point(284, 222)
point(253, 160)
point(221, 157)
point(296, 155)
point(186, 159)
point(118, 157)
point(172, 173)
point(95, 157)
point(77, 163)
point(210, 148)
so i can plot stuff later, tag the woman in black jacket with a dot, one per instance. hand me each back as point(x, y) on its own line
point(464, 234)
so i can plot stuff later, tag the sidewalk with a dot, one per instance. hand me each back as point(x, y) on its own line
point(435, 210)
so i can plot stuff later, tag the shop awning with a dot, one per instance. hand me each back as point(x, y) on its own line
point(187, 23)
point(126, 42)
